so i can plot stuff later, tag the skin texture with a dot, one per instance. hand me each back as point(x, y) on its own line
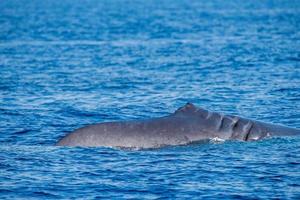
point(188, 124)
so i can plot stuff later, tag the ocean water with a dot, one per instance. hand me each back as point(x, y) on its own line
point(66, 64)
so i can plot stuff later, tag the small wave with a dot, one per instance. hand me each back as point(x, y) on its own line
point(216, 140)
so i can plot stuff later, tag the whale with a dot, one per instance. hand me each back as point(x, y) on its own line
point(188, 124)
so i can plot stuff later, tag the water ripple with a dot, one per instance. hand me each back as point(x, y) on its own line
point(68, 64)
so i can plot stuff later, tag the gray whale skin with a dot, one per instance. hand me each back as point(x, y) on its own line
point(186, 125)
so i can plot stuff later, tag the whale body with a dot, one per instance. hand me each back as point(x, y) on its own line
point(188, 124)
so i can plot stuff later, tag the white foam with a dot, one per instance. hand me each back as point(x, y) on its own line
point(216, 140)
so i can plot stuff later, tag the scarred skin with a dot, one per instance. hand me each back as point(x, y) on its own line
point(186, 125)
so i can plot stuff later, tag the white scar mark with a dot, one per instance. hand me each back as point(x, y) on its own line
point(247, 126)
point(234, 120)
point(209, 114)
point(220, 121)
point(247, 129)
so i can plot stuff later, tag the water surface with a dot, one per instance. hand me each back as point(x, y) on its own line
point(66, 64)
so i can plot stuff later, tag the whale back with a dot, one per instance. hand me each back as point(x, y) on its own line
point(219, 125)
point(186, 125)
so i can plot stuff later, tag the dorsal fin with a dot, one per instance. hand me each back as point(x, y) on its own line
point(188, 107)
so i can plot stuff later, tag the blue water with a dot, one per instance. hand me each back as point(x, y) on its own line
point(66, 64)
